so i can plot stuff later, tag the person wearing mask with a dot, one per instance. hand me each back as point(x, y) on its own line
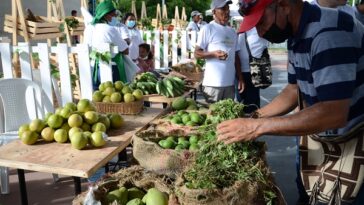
point(325, 52)
point(217, 43)
point(146, 58)
point(201, 22)
point(193, 24)
point(104, 23)
point(249, 43)
point(122, 29)
point(134, 34)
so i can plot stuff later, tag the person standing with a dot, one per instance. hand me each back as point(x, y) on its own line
point(75, 39)
point(325, 71)
point(193, 24)
point(201, 22)
point(104, 23)
point(134, 34)
point(250, 44)
point(217, 43)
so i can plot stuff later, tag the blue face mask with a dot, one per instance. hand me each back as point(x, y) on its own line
point(114, 21)
point(130, 24)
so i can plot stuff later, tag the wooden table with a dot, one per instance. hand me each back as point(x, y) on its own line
point(63, 159)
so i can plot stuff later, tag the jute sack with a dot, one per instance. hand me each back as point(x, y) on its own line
point(240, 193)
point(135, 176)
point(154, 158)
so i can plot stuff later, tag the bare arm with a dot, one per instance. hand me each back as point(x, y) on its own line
point(241, 83)
point(201, 54)
point(317, 118)
point(284, 103)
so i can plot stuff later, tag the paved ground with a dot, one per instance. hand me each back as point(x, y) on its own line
point(281, 158)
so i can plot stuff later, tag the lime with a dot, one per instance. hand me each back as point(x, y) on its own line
point(194, 147)
point(193, 139)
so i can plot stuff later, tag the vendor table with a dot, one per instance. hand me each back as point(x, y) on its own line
point(63, 159)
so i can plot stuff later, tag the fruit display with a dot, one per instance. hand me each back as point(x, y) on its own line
point(182, 103)
point(178, 143)
point(171, 87)
point(77, 123)
point(116, 92)
point(146, 82)
point(136, 196)
point(187, 118)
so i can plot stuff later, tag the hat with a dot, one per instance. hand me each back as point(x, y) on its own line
point(256, 10)
point(102, 9)
point(195, 13)
point(215, 4)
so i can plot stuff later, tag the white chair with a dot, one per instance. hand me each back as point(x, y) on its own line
point(21, 101)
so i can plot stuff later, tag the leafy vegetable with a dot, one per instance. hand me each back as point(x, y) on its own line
point(218, 165)
point(72, 22)
point(225, 110)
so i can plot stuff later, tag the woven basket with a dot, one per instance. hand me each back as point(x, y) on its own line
point(193, 76)
point(131, 108)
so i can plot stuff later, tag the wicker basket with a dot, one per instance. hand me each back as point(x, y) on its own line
point(193, 76)
point(131, 108)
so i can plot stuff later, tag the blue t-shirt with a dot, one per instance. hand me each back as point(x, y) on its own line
point(326, 60)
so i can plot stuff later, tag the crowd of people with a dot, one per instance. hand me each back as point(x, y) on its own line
point(325, 40)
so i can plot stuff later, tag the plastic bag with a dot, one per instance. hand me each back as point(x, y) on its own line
point(131, 69)
point(90, 197)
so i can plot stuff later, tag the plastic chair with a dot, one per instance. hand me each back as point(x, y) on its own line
point(21, 101)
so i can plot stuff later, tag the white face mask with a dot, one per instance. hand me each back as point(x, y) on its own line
point(145, 58)
point(114, 21)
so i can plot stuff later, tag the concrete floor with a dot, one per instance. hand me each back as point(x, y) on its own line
point(281, 158)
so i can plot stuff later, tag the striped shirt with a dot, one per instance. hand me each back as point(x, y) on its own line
point(326, 60)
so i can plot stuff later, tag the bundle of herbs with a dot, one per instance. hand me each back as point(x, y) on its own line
point(225, 110)
point(219, 166)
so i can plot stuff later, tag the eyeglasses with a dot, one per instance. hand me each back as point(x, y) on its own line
point(245, 6)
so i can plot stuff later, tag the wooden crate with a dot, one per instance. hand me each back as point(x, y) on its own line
point(155, 98)
point(36, 30)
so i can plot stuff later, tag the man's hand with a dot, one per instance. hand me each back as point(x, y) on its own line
point(241, 85)
point(241, 129)
point(220, 55)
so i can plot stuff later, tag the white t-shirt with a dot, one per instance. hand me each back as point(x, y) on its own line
point(256, 44)
point(107, 34)
point(192, 26)
point(135, 41)
point(213, 37)
point(123, 30)
point(346, 8)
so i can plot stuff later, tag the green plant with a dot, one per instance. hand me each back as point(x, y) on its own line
point(72, 22)
point(146, 23)
point(166, 21)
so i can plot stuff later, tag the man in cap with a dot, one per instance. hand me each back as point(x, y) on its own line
point(325, 64)
point(193, 25)
point(105, 32)
point(217, 43)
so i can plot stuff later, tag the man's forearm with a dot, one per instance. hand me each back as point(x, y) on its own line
point(314, 119)
point(284, 103)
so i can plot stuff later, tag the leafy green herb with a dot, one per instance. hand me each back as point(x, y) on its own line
point(225, 110)
point(72, 22)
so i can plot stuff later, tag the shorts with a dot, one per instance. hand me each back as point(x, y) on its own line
point(214, 94)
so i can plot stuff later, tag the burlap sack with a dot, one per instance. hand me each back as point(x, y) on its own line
point(240, 193)
point(154, 158)
point(135, 176)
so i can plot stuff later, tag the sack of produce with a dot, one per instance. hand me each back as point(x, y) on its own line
point(131, 186)
point(164, 153)
point(234, 174)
